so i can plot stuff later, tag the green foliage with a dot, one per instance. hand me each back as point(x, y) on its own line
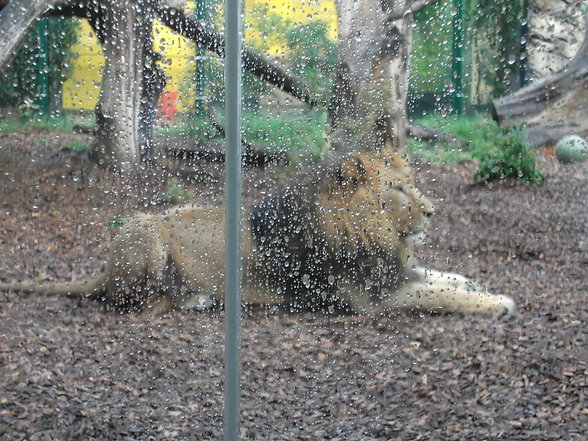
point(513, 159)
point(300, 133)
point(176, 192)
point(495, 24)
point(76, 146)
point(63, 125)
point(475, 135)
point(430, 58)
point(265, 29)
point(310, 53)
point(313, 56)
point(198, 128)
point(116, 221)
point(501, 153)
point(19, 82)
point(29, 109)
point(445, 154)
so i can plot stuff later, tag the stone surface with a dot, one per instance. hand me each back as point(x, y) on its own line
point(571, 148)
point(556, 31)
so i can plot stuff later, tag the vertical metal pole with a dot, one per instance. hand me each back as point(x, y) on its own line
point(42, 68)
point(232, 217)
point(457, 62)
point(201, 60)
point(523, 41)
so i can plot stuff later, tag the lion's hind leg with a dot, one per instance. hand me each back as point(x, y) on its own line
point(448, 298)
point(177, 291)
point(136, 268)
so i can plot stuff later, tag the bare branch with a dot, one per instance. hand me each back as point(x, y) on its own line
point(415, 6)
point(16, 18)
point(258, 65)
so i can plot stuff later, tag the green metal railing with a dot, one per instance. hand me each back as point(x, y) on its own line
point(457, 58)
point(42, 68)
point(202, 59)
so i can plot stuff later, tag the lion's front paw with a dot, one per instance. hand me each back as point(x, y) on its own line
point(453, 279)
point(507, 306)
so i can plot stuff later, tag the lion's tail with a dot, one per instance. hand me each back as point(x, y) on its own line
point(91, 288)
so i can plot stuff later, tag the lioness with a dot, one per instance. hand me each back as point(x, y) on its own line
point(340, 235)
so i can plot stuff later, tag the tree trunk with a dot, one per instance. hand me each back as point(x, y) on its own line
point(16, 18)
point(154, 82)
point(551, 107)
point(369, 106)
point(124, 30)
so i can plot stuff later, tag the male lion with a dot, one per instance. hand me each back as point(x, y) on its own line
point(339, 236)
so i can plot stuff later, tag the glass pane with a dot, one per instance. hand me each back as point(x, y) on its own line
point(414, 222)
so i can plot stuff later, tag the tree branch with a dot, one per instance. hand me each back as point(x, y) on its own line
point(256, 64)
point(415, 6)
point(16, 18)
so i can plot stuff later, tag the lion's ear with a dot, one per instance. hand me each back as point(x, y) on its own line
point(351, 174)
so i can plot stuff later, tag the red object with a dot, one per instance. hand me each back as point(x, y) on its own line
point(167, 105)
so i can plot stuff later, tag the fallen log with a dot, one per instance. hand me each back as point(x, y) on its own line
point(428, 134)
point(550, 107)
point(189, 149)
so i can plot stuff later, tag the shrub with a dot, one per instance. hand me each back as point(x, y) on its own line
point(511, 158)
point(501, 153)
point(476, 136)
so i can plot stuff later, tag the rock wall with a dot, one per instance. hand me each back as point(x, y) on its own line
point(556, 31)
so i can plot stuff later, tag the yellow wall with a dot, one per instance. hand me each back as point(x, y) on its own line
point(82, 89)
point(292, 11)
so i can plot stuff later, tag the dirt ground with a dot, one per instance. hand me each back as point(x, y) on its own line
point(71, 371)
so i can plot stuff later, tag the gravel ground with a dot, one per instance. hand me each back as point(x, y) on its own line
point(71, 371)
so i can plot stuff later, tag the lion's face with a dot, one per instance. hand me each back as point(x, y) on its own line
point(408, 207)
point(372, 203)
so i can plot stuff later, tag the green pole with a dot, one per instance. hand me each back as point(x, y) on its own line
point(201, 14)
point(523, 40)
point(232, 218)
point(42, 68)
point(457, 57)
